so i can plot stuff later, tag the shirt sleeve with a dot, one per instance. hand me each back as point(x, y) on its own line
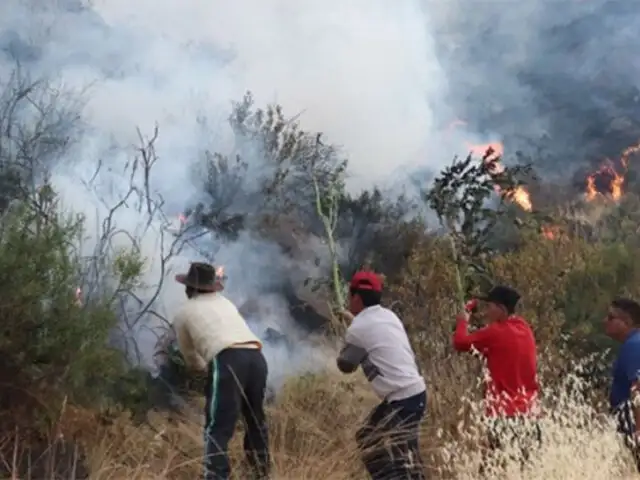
point(355, 348)
point(350, 358)
point(481, 339)
point(632, 364)
point(355, 336)
point(185, 341)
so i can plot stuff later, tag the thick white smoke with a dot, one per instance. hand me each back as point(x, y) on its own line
point(363, 73)
point(383, 79)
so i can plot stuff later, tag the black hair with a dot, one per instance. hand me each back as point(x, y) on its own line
point(630, 307)
point(190, 291)
point(511, 309)
point(369, 297)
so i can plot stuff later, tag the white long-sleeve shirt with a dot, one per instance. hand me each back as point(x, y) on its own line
point(207, 324)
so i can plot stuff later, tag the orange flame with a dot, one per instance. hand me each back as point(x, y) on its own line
point(606, 173)
point(608, 178)
point(182, 219)
point(78, 296)
point(550, 232)
point(491, 152)
point(220, 272)
point(521, 196)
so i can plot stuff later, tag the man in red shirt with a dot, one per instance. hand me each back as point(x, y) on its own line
point(508, 345)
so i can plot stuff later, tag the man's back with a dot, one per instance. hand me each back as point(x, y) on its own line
point(390, 364)
point(211, 323)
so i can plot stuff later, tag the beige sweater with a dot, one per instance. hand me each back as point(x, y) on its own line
point(206, 325)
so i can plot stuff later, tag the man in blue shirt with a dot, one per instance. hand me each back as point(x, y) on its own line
point(623, 325)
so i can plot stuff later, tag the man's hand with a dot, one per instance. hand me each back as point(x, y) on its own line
point(346, 315)
point(462, 317)
point(471, 306)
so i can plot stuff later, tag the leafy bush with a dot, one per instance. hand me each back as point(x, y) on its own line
point(52, 346)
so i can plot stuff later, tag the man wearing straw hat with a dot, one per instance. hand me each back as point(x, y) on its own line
point(377, 341)
point(214, 337)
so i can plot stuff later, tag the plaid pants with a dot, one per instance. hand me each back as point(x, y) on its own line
point(627, 427)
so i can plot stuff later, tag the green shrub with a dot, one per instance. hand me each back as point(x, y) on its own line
point(51, 344)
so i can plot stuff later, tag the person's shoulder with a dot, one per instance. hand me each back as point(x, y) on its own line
point(632, 344)
point(520, 322)
point(228, 304)
point(381, 312)
point(378, 319)
point(220, 299)
point(184, 312)
point(181, 310)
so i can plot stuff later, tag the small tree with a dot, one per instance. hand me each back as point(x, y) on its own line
point(51, 345)
point(460, 198)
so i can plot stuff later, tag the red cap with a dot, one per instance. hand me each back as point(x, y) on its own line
point(366, 280)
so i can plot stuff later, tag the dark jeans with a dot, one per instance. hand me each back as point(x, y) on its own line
point(518, 435)
point(236, 385)
point(388, 441)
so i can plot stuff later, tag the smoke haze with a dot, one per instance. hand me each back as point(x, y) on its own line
point(385, 80)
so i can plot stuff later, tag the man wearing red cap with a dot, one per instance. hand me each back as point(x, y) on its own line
point(377, 341)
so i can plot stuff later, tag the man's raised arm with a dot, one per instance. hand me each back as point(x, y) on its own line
point(463, 341)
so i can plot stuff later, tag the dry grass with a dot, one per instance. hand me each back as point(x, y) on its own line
point(315, 417)
point(312, 430)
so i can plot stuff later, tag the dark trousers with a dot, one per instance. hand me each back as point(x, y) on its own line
point(236, 385)
point(510, 439)
point(388, 441)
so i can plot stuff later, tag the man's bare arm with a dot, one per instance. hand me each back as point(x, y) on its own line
point(350, 358)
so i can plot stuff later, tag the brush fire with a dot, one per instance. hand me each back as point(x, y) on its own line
point(492, 152)
point(606, 183)
point(608, 180)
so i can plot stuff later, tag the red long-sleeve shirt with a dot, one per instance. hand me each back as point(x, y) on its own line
point(510, 350)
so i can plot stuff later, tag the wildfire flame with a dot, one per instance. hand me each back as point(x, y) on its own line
point(550, 232)
point(182, 218)
point(78, 296)
point(220, 272)
point(608, 181)
point(491, 152)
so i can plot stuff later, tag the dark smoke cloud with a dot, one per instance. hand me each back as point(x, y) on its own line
point(563, 75)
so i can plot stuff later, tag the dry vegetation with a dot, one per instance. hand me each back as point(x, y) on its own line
point(315, 417)
point(71, 407)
